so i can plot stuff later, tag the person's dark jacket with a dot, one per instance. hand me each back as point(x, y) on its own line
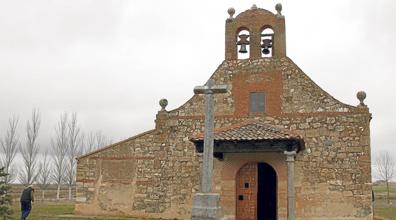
point(27, 195)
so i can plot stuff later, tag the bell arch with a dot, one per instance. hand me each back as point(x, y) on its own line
point(267, 41)
point(255, 18)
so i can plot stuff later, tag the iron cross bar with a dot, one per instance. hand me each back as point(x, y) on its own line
point(207, 167)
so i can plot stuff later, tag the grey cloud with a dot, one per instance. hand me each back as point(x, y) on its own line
point(111, 61)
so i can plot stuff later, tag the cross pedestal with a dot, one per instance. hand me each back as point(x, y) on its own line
point(206, 204)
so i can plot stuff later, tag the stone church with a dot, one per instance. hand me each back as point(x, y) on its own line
point(283, 146)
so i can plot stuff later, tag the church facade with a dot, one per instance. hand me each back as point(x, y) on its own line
point(281, 143)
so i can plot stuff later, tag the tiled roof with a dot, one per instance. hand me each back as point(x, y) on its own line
point(250, 131)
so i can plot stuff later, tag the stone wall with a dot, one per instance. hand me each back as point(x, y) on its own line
point(155, 174)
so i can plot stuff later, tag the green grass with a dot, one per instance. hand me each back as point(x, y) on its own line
point(382, 189)
point(56, 211)
point(53, 211)
point(43, 210)
point(387, 213)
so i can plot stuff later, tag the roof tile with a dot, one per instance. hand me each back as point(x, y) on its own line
point(250, 131)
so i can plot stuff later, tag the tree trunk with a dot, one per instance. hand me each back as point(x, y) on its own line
point(387, 191)
point(58, 192)
point(43, 194)
point(70, 192)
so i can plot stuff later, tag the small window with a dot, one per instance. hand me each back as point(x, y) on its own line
point(257, 102)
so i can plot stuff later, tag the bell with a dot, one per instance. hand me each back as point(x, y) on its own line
point(267, 44)
point(266, 51)
point(243, 49)
point(243, 42)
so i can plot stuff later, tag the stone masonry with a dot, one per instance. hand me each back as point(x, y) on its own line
point(155, 174)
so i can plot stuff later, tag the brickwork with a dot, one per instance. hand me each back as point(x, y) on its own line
point(270, 83)
point(155, 174)
point(255, 21)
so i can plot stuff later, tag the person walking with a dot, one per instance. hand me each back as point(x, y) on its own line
point(26, 201)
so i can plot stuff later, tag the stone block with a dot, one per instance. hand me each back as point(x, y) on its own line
point(206, 206)
point(81, 199)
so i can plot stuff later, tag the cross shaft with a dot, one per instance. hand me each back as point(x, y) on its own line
point(207, 168)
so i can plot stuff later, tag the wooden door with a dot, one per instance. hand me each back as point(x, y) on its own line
point(247, 192)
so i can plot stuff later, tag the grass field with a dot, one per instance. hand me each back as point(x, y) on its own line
point(381, 208)
point(55, 211)
point(45, 210)
point(381, 188)
point(64, 211)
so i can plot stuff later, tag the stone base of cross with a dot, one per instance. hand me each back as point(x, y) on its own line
point(206, 204)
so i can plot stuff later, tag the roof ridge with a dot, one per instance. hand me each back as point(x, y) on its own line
point(115, 144)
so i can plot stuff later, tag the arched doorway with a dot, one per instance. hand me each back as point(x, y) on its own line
point(256, 192)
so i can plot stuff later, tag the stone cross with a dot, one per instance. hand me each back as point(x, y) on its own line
point(207, 169)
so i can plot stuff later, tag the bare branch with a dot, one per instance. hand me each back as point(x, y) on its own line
point(44, 174)
point(9, 146)
point(95, 141)
point(385, 169)
point(30, 150)
point(90, 143)
point(59, 151)
point(74, 148)
point(385, 166)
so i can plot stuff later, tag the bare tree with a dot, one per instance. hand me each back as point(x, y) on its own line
point(44, 174)
point(89, 143)
point(9, 146)
point(30, 150)
point(74, 150)
point(59, 151)
point(101, 140)
point(95, 140)
point(386, 169)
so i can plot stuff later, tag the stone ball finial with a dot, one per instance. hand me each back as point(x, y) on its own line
point(254, 6)
point(361, 95)
point(163, 103)
point(278, 8)
point(231, 12)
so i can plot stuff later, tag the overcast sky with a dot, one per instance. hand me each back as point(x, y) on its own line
point(112, 61)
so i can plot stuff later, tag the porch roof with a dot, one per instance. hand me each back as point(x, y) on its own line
point(250, 131)
point(251, 136)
